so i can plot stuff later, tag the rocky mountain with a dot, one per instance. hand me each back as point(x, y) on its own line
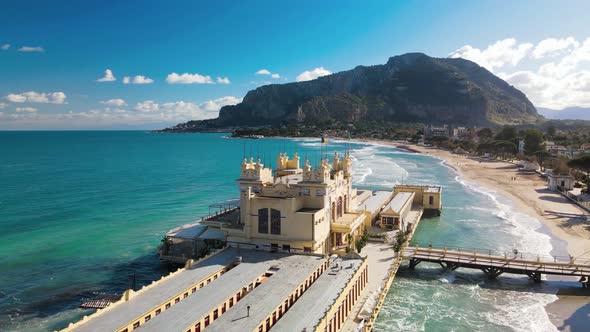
point(409, 88)
point(570, 113)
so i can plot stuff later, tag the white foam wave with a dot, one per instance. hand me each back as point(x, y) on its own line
point(525, 228)
point(372, 168)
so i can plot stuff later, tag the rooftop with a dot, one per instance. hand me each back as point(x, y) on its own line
point(318, 299)
point(347, 218)
point(399, 200)
point(376, 202)
point(189, 231)
point(263, 300)
point(185, 313)
point(146, 300)
point(432, 190)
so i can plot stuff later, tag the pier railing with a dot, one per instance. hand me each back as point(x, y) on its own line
point(494, 265)
point(510, 254)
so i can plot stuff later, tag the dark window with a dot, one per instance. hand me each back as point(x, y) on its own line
point(167, 305)
point(430, 200)
point(177, 300)
point(201, 285)
point(286, 247)
point(186, 294)
point(275, 222)
point(215, 314)
point(206, 321)
point(148, 317)
point(231, 302)
point(194, 289)
point(223, 308)
point(135, 325)
point(198, 327)
point(263, 221)
point(158, 312)
point(306, 249)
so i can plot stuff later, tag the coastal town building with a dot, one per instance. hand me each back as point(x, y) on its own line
point(431, 131)
point(462, 133)
point(560, 182)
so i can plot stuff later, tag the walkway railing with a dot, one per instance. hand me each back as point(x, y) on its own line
point(505, 263)
point(511, 254)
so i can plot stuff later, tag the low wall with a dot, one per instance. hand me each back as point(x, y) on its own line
point(368, 326)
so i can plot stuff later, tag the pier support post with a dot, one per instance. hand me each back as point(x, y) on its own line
point(452, 266)
point(414, 262)
point(492, 272)
point(536, 276)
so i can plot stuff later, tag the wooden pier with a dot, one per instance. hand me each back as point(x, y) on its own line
point(495, 265)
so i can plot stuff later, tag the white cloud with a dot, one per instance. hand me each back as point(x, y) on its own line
point(114, 110)
point(309, 75)
point(188, 110)
point(223, 80)
point(557, 73)
point(217, 104)
point(114, 102)
point(31, 49)
point(5, 47)
point(138, 79)
point(155, 116)
point(187, 78)
point(552, 47)
point(267, 72)
point(3, 105)
point(37, 97)
point(147, 106)
point(503, 52)
point(108, 76)
point(26, 109)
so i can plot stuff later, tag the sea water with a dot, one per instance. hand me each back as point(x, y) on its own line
point(82, 212)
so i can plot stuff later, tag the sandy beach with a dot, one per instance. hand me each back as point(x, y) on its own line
point(571, 312)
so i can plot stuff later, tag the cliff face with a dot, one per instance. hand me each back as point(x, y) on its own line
point(408, 88)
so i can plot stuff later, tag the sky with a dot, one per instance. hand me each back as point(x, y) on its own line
point(75, 65)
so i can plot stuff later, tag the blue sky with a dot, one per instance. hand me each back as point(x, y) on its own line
point(53, 52)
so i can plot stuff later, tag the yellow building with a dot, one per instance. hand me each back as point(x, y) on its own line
point(294, 209)
point(393, 216)
point(428, 197)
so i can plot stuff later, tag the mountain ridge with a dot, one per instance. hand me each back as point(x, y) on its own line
point(412, 87)
point(568, 113)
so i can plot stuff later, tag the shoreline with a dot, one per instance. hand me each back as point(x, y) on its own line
point(529, 195)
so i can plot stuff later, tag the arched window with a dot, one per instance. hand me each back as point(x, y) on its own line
point(275, 222)
point(333, 211)
point(263, 221)
point(339, 207)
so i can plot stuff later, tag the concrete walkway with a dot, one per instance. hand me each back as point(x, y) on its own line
point(380, 257)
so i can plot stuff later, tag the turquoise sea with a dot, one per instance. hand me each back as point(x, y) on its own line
point(81, 212)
